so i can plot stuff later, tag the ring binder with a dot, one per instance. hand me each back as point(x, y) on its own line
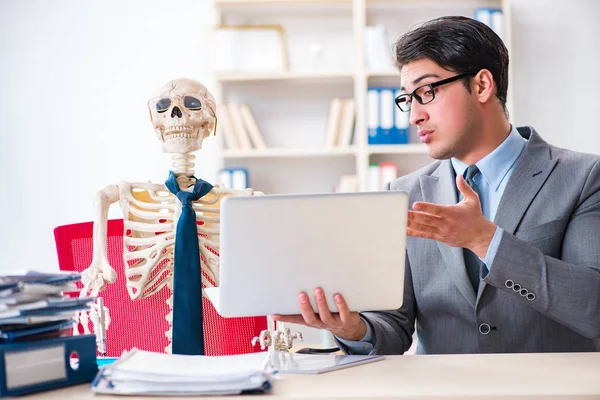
point(34, 366)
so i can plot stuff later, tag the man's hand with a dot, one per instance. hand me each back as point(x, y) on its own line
point(460, 225)
point(343, 324)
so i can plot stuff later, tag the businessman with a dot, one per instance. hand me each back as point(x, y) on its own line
point(503, 253)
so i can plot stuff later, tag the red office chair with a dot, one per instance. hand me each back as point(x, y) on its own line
point(141, 323)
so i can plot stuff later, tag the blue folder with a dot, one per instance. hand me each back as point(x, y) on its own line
point(34, 366)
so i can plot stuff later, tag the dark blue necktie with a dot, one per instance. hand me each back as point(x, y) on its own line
point(472, 261)
point(188, 332)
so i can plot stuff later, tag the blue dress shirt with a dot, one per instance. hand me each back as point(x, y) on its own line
point(495, 171)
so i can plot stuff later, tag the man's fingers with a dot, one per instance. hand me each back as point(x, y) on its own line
point(343, 310)
point(294, 319)
point(465, 189)
point(425, 223)
point(324, 314)
point(424, 218)
point(430, 208)
point(310, 318)
point(421, 234)
point(432, 230)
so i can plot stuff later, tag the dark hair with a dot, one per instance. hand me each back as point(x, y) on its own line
point(458, 44)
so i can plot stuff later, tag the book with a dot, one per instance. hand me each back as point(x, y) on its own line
point(346, 128)
point(378, 52)
point(19, 298)
point(241, 134)
point(252, 127)
point(51, 309)
point(49, 302)
point(333, 122)
point(28, 332)
point(228, 129)
point(16, 282)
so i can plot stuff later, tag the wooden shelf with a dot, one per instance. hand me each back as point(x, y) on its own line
point(282, 152)
point(478, 3)
point(349, 77)
point(286, 2)
point(387, 74)
point(284, 76)
point(411, 148)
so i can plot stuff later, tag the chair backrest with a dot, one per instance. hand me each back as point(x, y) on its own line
point(142, 323)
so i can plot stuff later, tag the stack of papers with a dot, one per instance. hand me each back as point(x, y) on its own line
point(145, 373)
point(32, 305)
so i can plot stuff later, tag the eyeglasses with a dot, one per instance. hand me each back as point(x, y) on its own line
point(426, 93)
point(162, 104)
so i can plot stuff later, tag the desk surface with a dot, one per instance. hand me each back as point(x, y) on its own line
point(558, 375)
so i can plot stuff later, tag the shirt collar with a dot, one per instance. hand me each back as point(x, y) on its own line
point(496, 165)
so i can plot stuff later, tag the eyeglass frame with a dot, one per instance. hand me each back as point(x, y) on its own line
point(432, 86)
point(180, 101)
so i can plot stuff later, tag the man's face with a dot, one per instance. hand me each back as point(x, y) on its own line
point(448, 124)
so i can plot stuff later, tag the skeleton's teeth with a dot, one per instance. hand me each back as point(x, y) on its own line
point(180, 128)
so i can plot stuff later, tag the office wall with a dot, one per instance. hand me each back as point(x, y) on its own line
point(75, 77)
point(555, 58)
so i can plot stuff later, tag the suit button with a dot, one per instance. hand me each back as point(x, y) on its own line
point(530, 296)
point(523, 292)
point(509, 283)
point(484, 329)
point(516, 287)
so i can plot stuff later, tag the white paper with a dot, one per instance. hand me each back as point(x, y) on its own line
point(185, 366)
point(143, 372)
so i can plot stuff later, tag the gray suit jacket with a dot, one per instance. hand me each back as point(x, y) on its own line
point(543, 290)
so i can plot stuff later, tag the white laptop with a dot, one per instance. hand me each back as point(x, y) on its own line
point(275, 246)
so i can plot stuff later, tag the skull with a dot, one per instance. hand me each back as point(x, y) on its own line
point(183, 114)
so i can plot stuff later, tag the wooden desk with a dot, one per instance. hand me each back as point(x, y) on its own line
point(557, 375)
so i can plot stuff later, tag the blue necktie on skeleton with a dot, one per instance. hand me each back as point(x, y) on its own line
point(472, 261)
point(187, 328)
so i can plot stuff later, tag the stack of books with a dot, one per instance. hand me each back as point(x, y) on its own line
point(37, 349)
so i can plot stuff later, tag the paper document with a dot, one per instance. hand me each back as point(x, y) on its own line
point(294, 363)
point(143, 372)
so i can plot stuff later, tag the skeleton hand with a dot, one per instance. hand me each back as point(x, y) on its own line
point(264, 339)
point(96, 275)
point(94, 317)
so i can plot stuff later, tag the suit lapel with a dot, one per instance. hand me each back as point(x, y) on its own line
point(439, 188)
point(532, 169)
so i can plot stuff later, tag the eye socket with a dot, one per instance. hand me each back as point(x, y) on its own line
point(192, 103)
point(163, 105)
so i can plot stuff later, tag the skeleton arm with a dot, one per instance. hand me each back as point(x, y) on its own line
point(99, 272)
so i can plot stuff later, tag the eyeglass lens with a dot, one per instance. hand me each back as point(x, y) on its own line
point(423, 95)
point(189, 102)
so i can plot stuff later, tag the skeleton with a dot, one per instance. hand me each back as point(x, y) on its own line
point(183, 114)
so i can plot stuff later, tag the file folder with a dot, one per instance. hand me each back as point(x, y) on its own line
point(34, 366)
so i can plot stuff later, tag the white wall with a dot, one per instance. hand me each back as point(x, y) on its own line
point(555, 56)
point(75, 77)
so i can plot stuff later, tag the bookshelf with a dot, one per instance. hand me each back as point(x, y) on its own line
point(326, 58)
